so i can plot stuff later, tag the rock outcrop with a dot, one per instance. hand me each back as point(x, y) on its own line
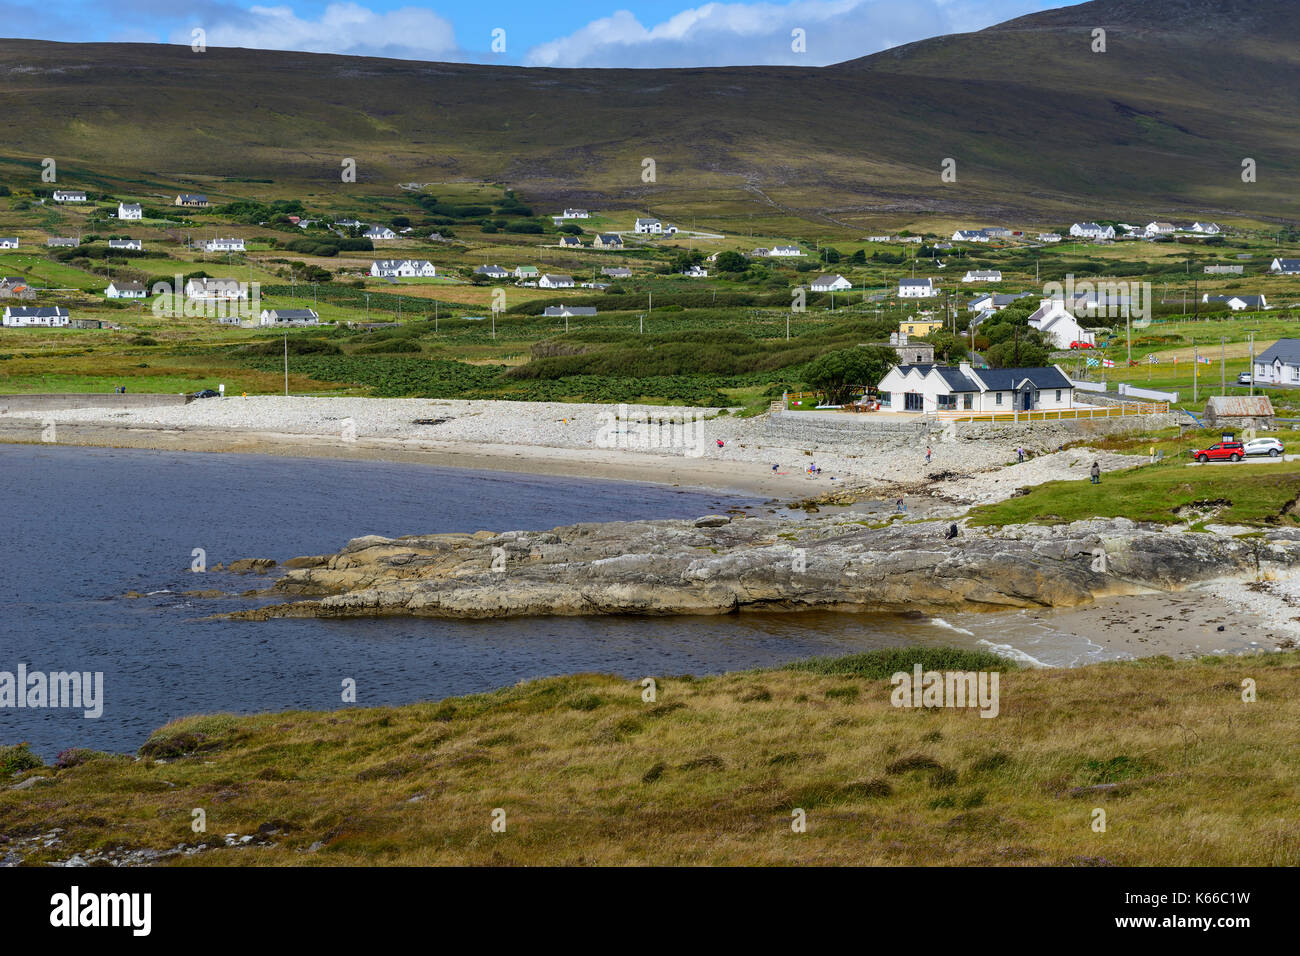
point(714, 565)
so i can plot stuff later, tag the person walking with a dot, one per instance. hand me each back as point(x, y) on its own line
point(927, 454)
point(1096, 473)
point(1020, 455)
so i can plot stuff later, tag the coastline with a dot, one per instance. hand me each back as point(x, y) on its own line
point(610, 465)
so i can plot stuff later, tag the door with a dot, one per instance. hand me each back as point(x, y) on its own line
point(1027, 400)
point(914, 402)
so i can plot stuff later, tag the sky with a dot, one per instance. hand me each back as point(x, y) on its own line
point(563, 33)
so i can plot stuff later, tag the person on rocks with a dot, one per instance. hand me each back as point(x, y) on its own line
point(951, 533)
point(1096, 473)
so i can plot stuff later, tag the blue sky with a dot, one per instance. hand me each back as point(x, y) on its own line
point(611, 33)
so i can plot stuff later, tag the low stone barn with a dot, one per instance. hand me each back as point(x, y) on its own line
point(1238, 411)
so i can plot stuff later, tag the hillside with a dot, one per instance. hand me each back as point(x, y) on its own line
point(1040, 126)
point(714, 771)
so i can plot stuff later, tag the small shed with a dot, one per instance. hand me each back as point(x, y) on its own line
point(1239, 411)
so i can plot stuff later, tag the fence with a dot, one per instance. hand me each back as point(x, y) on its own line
point(1059, 414)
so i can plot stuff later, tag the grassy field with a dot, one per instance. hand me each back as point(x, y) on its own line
point(1257, 492)
point(713, 771)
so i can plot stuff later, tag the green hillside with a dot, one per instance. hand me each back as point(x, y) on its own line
point(1038, 123)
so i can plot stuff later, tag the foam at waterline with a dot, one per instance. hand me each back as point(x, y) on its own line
point(1006, 650)
point(940, 622)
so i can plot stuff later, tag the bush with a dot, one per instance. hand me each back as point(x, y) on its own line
point(17, 759)
point(885, 663)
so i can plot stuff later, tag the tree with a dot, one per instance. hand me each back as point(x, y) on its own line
point(1022, 351)
point(859, 257)
point(730, 261)
point(834, 373)
point(830, 255)
point(952, 348)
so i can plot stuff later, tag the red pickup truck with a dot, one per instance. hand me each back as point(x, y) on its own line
point(1222, 451)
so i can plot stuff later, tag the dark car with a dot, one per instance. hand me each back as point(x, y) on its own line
point(1221, 451)
point(206, 393)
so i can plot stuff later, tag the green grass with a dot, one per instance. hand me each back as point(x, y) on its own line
point(1248, 494)
point(712, 771)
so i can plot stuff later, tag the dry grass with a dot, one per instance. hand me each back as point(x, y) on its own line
point(710, 773)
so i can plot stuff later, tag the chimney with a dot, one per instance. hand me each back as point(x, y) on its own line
point(963, 367)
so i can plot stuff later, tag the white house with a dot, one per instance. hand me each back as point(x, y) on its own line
point(130, 210)
point(970, 235)
point(696, 272)
point(1206, 228)
point(1236, 303)
point(403, 268)
point(137, 244)
point(785, 251)
point(1279, 364)
point(568, 311)
point(69, 195)
point(224, 245)
point(993, 301)
point(30, 316)
point(527, 272)
point(495, 272)
point(941, 388)
point(575, 214)
point(215, 289)
point(1286, 267)
point(557, 281)
point(1059, 325)
point(60, 241)
point(649, 226)
point(1049, 237)
point(380, 232)
point(288, 317)
point(1091, 230)
point(983, 275)
point(617, 272)
point(835, 283)
point(1159, 229)
point(8, 242)
point(124, 290)
point(917, 288)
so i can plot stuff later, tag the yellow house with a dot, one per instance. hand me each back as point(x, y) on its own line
point(919, 326)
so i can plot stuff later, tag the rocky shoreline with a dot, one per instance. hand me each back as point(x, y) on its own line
point(718, 564)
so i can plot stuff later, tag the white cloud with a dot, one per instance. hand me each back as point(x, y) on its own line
point(408, 33)
point(732, 34)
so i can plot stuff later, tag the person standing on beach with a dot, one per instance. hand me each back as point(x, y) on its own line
point(1096, 473)
point(1020, 454)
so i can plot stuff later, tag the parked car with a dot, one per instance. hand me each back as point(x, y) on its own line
point(1265, 446)
point(207, 393)
point(1221, 451)
point(1243, 378)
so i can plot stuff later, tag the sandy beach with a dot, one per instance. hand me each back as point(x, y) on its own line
point(577, 440)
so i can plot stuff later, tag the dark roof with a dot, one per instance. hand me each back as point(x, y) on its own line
point(1288, 350)
point(956, 379)
point(293, 313)
point(1007, 379)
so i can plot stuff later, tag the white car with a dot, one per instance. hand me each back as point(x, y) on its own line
point(1243, 378)
point(1264, 446)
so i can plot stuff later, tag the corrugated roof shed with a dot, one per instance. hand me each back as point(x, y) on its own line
point(1239, 406)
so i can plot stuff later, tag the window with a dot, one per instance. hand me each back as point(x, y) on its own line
point(967, 401)
point(946, 402)
point(1058, 394)
point(998, 400)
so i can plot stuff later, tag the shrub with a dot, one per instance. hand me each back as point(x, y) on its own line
point(18, 758)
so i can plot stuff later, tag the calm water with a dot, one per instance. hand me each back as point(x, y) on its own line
point(84, 526)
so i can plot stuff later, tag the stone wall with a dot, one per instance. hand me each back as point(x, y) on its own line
point(794, 430)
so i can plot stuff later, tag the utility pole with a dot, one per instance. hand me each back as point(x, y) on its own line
point(1223, 365)
point(1196, 362)
point(286, 364)
point(1251, 372)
